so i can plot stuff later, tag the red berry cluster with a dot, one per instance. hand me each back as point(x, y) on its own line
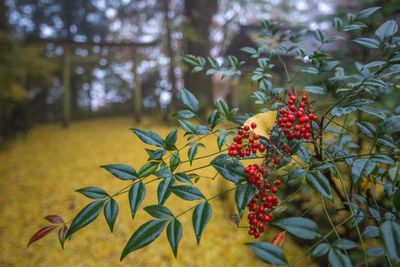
point(246, 142)
point(264, 200)
point(295, 119)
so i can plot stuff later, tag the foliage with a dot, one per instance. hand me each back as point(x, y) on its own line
point(361, 187)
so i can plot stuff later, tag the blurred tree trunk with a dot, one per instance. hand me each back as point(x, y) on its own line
point(137, 93)
point(170, 51)
point(3, 17)
point(199, 16)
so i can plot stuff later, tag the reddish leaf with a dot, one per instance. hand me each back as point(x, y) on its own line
point(54, 219)
point(62, 234)
point(279, 239)
point(41, 233)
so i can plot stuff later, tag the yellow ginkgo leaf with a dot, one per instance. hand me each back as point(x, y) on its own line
point(265, 121)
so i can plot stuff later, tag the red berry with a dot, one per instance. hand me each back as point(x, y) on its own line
point(278, 182)
point(254, 125)
point(246, 127)
point(240, 132)
point(292, 107)
point(274, 190)
point(304, 97)
point(293, 97)
point(261, 148)
point(256, 136)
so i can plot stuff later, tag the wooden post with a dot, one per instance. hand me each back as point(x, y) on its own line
point(137, 93)
point(67, 86)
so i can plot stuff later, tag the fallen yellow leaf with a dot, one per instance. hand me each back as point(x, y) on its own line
point(265, 121)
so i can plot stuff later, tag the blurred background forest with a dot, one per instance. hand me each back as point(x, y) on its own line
point(70, 60)
point(64, 62)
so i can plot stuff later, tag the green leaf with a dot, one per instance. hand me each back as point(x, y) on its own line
point(189, 100)
point(370, 231)
point(187, 192)
point(137, 192)
point(62, 233)
point(344, 244)
point(230, 169)
point(374, 112)
point(363, 14)
point(87, 215)
point(268, 253)
point(221, 140)
point(156, 154)
point(201, 215)
point(183, 177)
point(174, 161)
point(338, 259)
point(244, 193)
point(121, 171)
point(387, 29)
point(375, 252)
point(93, 192)
point(184, 114)
point(320, 183)
point(192, 153)
point(360, 167)
point(174, 234)
point(149, 137)
point(390, 233)
point(148, 169)
point(162, 190)
point(367, 42)
point(143, 236)
point(213, 119)
point(321, 250)
point(111, 212)
point(170, 140)
point(159, 212)
point(367, 128)
point(187, 126)
point(299, 226)
point(313, 89)
point(390, 125)
point(319, 36)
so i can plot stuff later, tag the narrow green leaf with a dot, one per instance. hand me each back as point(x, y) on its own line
point(170, 140)
point(268, 253)
point(320, 183)
point(174, 234)
point(244, 193)
point(149, 137)
point(363, 14)
point(187, 126)
point(148, 169)
point(344, 244)
point(137, 192)
point(183, 177)
point(162, 190)
point(367, 42)
point(187, 192)
point(111, 212)
point(221, 140)
point(189, 99)
point(321, 250)
point(121, 171)
point(184, 114)
point(143, 236)
point(62, 233)
point(174, 161)
point(390, 233)
point(230, 169)
point(87, 215)
point(301, 227)
point(375, 252)
point(367, 128)
point(313, 89)
point(387, 29)
point(390, 125)
point(159, 212)
point(338, 259)
point(213, 119)
point(370, 231)
point(201, 215)
point(93, 192)
point(156, 154)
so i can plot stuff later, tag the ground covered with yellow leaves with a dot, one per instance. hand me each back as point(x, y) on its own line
point(40, 172)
